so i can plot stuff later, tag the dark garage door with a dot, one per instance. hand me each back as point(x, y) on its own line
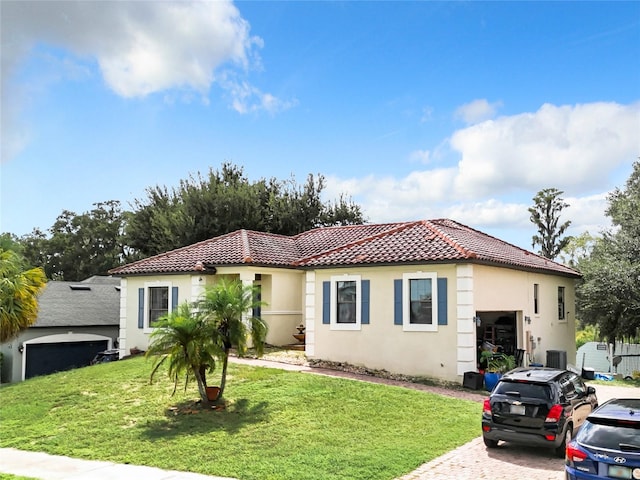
point(45, 358)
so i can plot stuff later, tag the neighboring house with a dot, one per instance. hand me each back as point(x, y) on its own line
point(75, 321)
point(417, 298)
point(621, 358)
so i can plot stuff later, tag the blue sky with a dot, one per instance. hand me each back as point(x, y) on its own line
point(417, 110)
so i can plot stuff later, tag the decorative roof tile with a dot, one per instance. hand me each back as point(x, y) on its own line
point(434, 241)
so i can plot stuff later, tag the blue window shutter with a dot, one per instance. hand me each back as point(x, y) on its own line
point(442, 301)
point(364, 314)
point(174, 298)
point(326, 302)
point(397, 302)
point(141, 308)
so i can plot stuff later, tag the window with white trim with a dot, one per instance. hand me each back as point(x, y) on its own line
point(346, 312)
point(158, 304)
point(419, 294)
point(155, 300)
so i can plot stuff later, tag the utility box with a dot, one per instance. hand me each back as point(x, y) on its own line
point(473, 380)
point(557, 359)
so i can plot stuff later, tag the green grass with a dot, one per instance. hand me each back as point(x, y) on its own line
point(617, 383)
point(276, 424)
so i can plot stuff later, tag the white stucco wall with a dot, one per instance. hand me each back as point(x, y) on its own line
point(381, 344)
point(451, 350)
point(512, 290)
point(282, 312)
point(130, 335)
point(293, 297)
point(281, 292)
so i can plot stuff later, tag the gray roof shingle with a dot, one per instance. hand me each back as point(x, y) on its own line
point(93, 302)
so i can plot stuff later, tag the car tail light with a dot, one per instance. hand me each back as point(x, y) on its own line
point(575, 454)
point(555, 414)
point(486, 406)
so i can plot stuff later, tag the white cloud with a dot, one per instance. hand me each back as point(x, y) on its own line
point(587, 214)
point(576, 149)
point(245, 98)
point(477, 111)
point(141, 47)
point(569, 147)
point(421, 156)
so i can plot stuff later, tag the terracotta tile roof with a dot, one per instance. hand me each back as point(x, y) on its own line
point(391, 243)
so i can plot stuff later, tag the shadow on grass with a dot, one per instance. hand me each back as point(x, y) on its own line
point(192, 418)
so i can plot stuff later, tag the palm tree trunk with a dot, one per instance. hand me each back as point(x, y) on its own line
point(202, 386)
point(223, 379)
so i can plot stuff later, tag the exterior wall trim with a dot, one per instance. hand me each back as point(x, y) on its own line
point(465, 311)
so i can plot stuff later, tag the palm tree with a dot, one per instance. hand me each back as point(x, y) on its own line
point(184, 339)
point(19, 289)
point(226, 307)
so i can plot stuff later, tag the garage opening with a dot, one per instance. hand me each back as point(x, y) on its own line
point(497, 331)
point(57, 353)
point(46, 358)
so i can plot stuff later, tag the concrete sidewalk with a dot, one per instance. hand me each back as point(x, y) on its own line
point(51, 467)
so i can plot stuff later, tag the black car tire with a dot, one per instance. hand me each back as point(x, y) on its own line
point(561, 449)
point(490, 443)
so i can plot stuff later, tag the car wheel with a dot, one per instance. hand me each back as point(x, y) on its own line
point(561, 449)
point(490, 443)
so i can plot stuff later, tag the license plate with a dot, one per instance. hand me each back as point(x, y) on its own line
point(616, 471)
point(517, 409)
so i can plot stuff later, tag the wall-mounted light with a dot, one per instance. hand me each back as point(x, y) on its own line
point(21, 348)
point(527, 319)
point(478, 321)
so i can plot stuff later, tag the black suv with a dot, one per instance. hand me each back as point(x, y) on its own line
point(538, 407)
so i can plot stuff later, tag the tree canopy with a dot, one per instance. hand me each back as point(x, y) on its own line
point(225, 200)
point(545, 215)
point(19, 289)
point(78, 246)
point(609, 294)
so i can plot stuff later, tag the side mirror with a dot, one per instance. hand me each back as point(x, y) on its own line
point(591, 391)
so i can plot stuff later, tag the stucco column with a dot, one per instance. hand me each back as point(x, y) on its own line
point(247, 279)
point(122, 336)
point(310, 312)
point(465, 311)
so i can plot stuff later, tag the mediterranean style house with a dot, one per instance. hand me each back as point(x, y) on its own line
point(417, 298)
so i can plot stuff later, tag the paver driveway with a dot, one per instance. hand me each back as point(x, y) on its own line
point(508, 462)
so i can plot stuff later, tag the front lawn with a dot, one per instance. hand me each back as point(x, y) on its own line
point(276, 425)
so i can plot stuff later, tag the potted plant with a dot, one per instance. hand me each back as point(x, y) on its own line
point(497, 365)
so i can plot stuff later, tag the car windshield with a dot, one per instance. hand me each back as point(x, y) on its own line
point(611, 437)
point(524, 390)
